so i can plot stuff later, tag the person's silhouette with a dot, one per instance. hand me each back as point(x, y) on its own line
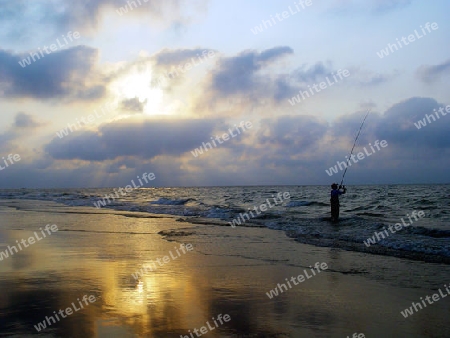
point(334, 200)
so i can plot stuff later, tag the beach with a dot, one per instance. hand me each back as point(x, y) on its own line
point(228, 272)
point(228, 169)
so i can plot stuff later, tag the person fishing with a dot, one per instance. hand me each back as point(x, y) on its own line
point(335, 191)
point(334, 200)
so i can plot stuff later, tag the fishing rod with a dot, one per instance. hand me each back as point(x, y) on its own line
point(354, 144)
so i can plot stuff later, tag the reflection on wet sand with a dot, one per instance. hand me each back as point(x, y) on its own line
point(171, 300)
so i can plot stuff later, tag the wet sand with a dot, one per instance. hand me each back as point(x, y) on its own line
point(228, 272)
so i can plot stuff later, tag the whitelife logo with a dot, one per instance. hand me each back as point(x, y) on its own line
point(280, 17)
point(417, 306)
point(300, 278)
point(146, 177)
point(12, 159)
point(129, 6)
point(423, 123)
point(53, 48)
point(323, 85)
point(383, 234)
point(89, 119)
point(166, 259)
point(31, 240)
point(411, 38)
point(263, 207)
point(204, 329)
point(360, 155)
point(163, 80)
point(68, 311)
point(225, 137)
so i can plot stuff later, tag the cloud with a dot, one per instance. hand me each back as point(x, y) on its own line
point(304, 77)
point(430, 74)
point(385, 6)
point(21, 127)
point(23, 120)
point(274, 53)
point(133, 105)
point(305, 142)
point(19, 20)
point(66, 74)
point(279, 150)
point(398, 126)
point(144, 140)
point(291, 132)
point(373, 79)
point(239, 74)
point(311, 74)
point(176, 57)
point(170, 65)
point(376, 7)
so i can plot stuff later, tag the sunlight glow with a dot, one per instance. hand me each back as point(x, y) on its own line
point(136, 84)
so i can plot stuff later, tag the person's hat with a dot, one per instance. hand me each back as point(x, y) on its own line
point(334, 186)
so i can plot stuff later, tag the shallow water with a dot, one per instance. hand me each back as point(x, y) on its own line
point(230, 271)
point(364, 211)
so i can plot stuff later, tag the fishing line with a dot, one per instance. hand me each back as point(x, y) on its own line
point(354, 144)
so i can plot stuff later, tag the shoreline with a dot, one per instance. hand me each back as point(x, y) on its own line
point(336, 243)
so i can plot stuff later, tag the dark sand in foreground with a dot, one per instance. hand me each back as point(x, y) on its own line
point(230, 270)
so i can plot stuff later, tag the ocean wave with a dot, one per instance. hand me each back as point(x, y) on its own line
point(306, 217)
point(370, 214)
point(436, 233)
point(167, 201)
point(293, 204)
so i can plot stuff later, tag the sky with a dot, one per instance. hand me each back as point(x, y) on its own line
point(210, 93)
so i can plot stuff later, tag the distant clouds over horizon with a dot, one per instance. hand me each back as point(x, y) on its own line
point(166, 105)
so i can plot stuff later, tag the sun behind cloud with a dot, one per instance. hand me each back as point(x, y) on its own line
point(137, 85)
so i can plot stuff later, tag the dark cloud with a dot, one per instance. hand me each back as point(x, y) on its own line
point(59, 75)
point(274, 53)
point(283, 89)
point(176, 57)
point(170, 65)
point(385, 6)
point(23, 120)
point(311, 74)
point(429, 74)
point(122, 164)
point(409, 148)
point(20, 20)
point(21, 127)
point(133, 105)
point(145, 140)
point(399, 124)
point(239, 74)
point(283, 149)
point(319, 72)
point(291, 132)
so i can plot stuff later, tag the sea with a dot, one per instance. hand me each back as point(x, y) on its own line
point(305, 215)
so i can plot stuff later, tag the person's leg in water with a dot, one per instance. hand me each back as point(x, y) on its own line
point(334, 211)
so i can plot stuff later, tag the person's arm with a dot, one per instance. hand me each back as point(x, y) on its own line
point(344, 188)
